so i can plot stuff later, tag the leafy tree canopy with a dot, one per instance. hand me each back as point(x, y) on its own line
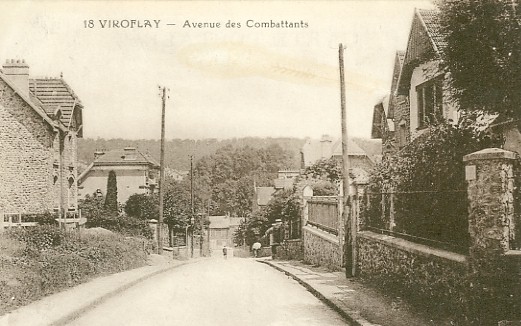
point(227, 177)
point(483, 53)
point(325, 170)
point(142, 206)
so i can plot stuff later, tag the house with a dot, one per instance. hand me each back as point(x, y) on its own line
point(327, 147)
point(418, 96)
point(221, 231)
point(136, 173)
point(40, 121)
point(391, 115)
point(421, 80)
point(285, 179)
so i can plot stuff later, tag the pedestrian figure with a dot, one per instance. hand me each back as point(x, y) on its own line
point(225, 252)
point(256, 247)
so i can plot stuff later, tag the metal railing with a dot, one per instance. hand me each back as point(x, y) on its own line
point(435, 218)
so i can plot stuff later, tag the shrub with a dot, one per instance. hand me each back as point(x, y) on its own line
point(142, 206)
point(40, 237)
point(428, 178)
point(125, 225)
point(57, 261)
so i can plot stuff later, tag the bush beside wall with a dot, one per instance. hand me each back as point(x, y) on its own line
point(40, 261)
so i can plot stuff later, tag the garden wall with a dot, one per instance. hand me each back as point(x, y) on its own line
point(434, 278)
point(322, 248)
point(291, 250)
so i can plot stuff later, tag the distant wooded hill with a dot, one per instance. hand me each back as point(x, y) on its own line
point(178, 151)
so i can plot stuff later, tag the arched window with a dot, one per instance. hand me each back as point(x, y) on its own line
point(70, 192)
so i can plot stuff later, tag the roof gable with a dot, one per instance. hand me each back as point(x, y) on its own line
point(426, 42)
point(28, 100)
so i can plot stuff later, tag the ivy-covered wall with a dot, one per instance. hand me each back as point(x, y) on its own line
point(435, 279)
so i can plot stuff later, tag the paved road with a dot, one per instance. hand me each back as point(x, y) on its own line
point(215, 292)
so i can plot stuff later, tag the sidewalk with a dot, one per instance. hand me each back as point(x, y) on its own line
point(357, 303)
point(62, 307)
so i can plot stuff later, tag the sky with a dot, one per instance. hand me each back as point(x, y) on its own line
point(223, 82)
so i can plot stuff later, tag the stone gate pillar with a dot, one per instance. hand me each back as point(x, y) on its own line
point(490, 187)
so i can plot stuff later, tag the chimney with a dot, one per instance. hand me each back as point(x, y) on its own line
point(17, 71)
point(130, 154)
point(325, 146)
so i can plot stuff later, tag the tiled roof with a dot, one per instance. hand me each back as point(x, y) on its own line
point(53, 93)
point(426, 42)
point(264, 195)
point(431, 19)
point(118, 157)
point(315, 150)
point(352, 148)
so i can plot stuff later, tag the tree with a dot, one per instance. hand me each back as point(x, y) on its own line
point(92, 206)
point(483, 54)
point(177, 210)
point(142, 206)
point(111, 198)
point(325, 170)
point(227, 177)
point(326, 176)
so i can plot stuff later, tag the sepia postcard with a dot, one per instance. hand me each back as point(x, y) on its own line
point(272, 163)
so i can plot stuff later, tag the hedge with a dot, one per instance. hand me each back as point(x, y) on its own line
point(43, 260)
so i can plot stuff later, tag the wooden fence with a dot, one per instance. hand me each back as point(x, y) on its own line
point(323, 213)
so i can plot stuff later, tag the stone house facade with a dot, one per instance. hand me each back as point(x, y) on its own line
point(40, 121)
point(136, 173)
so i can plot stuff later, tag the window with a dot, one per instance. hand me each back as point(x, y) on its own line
point(430, 100)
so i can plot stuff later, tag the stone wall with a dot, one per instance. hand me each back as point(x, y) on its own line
point(34, 156)
point(291, 250)
point(494, 258)
point(321, 248)
point(26, 161)
point(433, 278)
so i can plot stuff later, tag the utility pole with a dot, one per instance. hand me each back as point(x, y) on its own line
point(350, 231)
point(161, 173)
point(192, 219)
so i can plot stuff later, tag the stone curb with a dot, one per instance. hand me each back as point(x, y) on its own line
point(354, 320)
